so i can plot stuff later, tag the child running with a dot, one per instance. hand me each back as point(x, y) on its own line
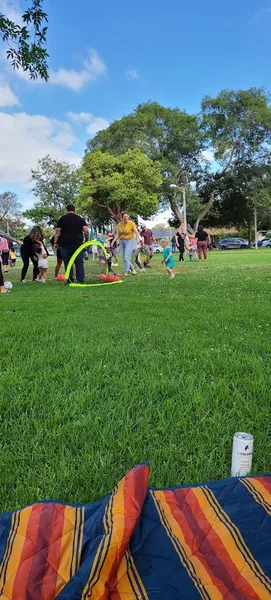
point(168, 257)
point(12, 257)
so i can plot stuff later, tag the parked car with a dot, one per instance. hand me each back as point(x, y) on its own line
point(266, 243)
point(157, 248)
point(233, 243)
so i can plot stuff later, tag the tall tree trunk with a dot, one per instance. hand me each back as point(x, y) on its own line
point(175, 209)
point(206, 209)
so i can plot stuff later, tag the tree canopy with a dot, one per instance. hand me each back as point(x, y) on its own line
point(111, 184)
point(26, 42)
point(11, 215)
point(10, 207)
point(55, 184)
point(240, 192)
point(235, 126)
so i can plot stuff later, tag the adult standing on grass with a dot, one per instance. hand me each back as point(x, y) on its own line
point(181, 237)
point(71, 231)
point(174, 243)
point(202, 238)
point(126, 233)
point(5, 236)
point(4, 252)
point(58, 257)
point(28, 253)
point(147, 240)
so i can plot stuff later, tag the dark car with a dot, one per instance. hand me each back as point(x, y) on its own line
point(233, 243)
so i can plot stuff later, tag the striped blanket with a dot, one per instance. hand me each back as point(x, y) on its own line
point(210, 541)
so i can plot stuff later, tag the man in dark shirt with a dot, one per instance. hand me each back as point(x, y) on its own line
point(71, 230)
point(147, 240)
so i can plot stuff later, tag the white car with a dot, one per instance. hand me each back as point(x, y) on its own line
point(157, 248)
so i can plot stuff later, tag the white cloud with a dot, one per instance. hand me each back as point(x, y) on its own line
point(11, 10)
point(95, 124)
point(81, 117)
point(94, 67)
point(26, 138)
point(132, 74)
point(7, 97)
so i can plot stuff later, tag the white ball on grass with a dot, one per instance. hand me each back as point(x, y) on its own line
point(8, 285)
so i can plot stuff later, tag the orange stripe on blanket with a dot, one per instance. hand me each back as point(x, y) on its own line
point(257, 492)
point(135, 485)
point(23, 551)
point(262, 485)
point(234, 545)
point(193, 565)
point(15, 519)
point(129, 585)
point(67, 547)
point(42, 546)
point(124, 514)
point(208, 546)
point(125, 588)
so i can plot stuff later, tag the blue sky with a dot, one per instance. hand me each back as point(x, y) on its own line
point(106, 57)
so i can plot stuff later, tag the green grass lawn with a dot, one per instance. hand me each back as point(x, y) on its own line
point(95, 380)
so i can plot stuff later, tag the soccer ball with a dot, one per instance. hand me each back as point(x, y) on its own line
point(8, 285)
point(61, 277)
point(102, 277)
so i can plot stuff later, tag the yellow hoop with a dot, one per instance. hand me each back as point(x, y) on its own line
point(77, 252)
point(74, 256)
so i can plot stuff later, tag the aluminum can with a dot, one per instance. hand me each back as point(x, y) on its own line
point(242, 452)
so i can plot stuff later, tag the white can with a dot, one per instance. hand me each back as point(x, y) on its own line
point(242, 452)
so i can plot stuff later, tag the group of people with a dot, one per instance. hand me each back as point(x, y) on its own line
point(72, 230)
point(192, 244)
point(133, 242)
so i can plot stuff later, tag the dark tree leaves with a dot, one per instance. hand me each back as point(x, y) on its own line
point(27, 43)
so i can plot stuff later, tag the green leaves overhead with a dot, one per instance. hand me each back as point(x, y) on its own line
point(27, 43)
point(237, 124)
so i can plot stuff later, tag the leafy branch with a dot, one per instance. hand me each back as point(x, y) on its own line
point(27, 43)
